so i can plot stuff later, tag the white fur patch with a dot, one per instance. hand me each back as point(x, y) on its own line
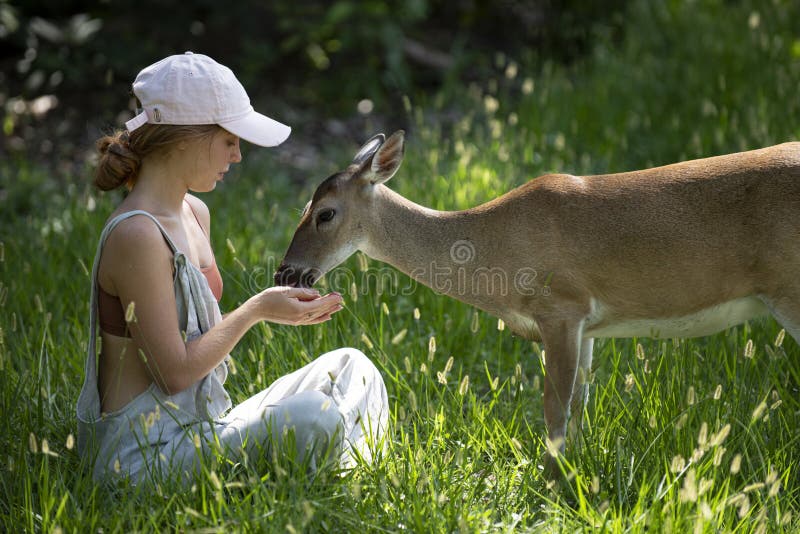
point(702, 323)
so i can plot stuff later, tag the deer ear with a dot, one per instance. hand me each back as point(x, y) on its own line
point(369, 148)
point(388, 158)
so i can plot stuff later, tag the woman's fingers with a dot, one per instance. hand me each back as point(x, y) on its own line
point(321, 314)
point(301, 293)
point(323, 318)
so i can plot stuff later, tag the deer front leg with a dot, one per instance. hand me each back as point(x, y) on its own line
point(562, 344)
point(580, 391)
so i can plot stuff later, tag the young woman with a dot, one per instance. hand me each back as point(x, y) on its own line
point(153, 401)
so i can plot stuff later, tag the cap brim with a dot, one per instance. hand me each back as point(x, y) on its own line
point(258, 129)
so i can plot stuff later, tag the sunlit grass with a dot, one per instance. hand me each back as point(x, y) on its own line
point(680, 434)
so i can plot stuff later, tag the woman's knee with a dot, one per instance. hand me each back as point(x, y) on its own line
point(350, 357)
point(312, 416)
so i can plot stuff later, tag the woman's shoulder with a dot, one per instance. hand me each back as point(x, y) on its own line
point(200, 210)
point(135, 233)
point(134, 241)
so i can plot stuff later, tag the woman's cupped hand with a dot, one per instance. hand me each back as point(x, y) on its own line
point(296, 306)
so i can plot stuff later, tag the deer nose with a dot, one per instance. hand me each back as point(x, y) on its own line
point(286, 275)
point(291, 275)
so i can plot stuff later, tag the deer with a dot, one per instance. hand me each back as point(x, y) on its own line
point(677, 251)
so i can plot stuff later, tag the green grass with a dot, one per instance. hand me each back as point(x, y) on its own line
point(697, 434)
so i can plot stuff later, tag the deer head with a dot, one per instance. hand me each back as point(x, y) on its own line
point(334, 223)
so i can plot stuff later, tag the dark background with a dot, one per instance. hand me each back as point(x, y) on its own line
point(66, 66)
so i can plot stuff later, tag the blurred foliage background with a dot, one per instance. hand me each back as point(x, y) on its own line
point(609, 85)
point(66, 65)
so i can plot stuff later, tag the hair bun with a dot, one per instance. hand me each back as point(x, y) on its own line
point(118, 165)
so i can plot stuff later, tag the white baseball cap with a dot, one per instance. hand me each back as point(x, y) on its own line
point(194, 89)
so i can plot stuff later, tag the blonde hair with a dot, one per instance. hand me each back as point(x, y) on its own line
point(122, 152)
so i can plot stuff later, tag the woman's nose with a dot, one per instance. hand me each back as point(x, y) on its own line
point(236, 155)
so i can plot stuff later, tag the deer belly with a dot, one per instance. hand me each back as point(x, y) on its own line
point(702, 323)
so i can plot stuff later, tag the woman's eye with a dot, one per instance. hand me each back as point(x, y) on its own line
point(326, 215)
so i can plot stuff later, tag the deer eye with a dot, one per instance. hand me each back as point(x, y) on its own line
point(326, 215)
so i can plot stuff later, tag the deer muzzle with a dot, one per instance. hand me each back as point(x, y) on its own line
point(291, 275)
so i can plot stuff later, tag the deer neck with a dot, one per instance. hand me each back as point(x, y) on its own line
point(439, 249)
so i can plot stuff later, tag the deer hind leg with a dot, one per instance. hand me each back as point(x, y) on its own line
point(562, 343)
point(786, 310)
point(580, 390)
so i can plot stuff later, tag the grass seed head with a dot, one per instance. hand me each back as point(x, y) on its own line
point(629, 382)
point(130, 312)
point(736, 464)
point(398, 338)
point(772, 476)
point(363, 263)
point(678, 463)
point(511, 70)
point(702, 438)
point(366, 341)
point(719, 452)
point(554, 446)
point(688, 492)
point(717, 439)
point(215, 481)
point(779, 338)
point(749, 349)
point(464, 387)
point(490, 104)
point(679, 424)
point(759, 411)
point(527, 86)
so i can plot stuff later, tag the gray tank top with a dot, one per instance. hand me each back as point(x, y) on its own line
point(153, 417)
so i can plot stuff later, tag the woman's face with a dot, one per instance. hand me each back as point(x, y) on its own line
point(213, 160)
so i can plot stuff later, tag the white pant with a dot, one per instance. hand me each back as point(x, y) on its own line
point(335, 407)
